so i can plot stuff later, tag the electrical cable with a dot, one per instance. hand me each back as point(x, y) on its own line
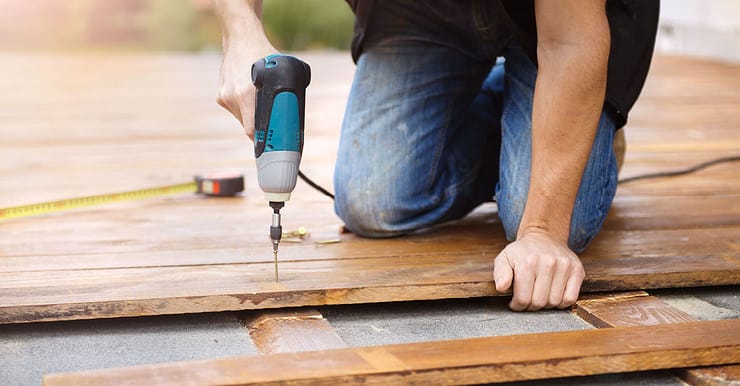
point(681, 172)
point(314, 185)
point(626, 180)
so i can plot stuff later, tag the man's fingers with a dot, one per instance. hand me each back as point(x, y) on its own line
point(247, 117)
point(542, 283)
point(228, 104)
point(241, 109)
point(503, 274)
point(524, 276)
point(573, 287)
point(559, 281)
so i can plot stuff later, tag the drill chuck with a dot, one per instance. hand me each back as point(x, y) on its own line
point(276, 229)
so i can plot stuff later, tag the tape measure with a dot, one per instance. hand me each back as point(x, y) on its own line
point(216, 185)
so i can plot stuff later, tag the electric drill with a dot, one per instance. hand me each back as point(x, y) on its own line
point(281, 82)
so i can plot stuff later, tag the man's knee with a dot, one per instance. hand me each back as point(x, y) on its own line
point(388, 207)
point(364, 213)
point(581, 235)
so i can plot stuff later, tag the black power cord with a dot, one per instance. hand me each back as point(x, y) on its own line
point(674, 173)
point(314, 185)
point(681, 172)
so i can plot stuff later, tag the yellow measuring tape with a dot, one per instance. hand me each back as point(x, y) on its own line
point(79, 202)
point(216, 185)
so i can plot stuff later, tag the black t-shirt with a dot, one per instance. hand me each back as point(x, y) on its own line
point(633, 25)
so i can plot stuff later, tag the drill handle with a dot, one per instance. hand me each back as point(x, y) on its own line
point(281, 82)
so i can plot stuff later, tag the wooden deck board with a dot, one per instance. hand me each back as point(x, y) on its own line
point(285, 331)
point(99, 293)
point(464, 361)
point(65, 136)
point(629, 310)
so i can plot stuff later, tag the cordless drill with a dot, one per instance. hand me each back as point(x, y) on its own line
point(281, 82)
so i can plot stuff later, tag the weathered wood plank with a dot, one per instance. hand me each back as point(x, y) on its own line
point(706, 258)
point(465, 361)
point(728, 375)
point(629, 213)
point(101, 293)
point(628, 311)
point(639, 309)
point(150, 240)
point(234, 270)
point(286, 331)
point(670, 156)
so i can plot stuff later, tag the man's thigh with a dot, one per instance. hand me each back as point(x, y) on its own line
point(413, 138)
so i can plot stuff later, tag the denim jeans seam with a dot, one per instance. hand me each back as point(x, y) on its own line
point(519, 84)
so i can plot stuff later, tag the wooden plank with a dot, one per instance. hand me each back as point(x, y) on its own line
point(673, 212)
point(719, 179)
point(465, 361)
point(221, 224)
point(102, 293)
point(628, 311)
point(449, 261)
point(728, 375)
point(160, 239)
point(639, 309)
point(285, 331)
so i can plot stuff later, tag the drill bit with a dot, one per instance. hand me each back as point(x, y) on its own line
point(276, 232)
point(274, 255)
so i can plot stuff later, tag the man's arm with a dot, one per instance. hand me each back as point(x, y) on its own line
point(572, 52)
point(244, 41)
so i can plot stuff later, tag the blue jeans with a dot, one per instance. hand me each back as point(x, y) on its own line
point(437, 122)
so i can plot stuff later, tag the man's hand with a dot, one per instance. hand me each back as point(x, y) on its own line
point(244, 42)
point(544, 271)
point(237, 93)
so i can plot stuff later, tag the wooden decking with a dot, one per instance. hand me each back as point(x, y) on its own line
point(81, 125)
point(464, 361)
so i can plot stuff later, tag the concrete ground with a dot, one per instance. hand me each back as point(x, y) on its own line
point(29, 351)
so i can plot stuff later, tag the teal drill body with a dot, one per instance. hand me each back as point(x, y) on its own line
point(281, 82)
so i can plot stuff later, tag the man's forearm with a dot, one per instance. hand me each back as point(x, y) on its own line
point(238, 19)
point(568, 100)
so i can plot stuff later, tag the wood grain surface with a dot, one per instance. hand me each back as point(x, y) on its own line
point(464, 361)
point(93, 124)
point(639, 309)
point(628, 311)
point(44, 295)
point(285, 331)
point(728, 375)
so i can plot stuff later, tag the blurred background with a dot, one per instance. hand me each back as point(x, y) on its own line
point(170, 25)
point(708, 28)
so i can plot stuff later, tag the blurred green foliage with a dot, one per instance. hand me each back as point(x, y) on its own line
point(291, 25)
point(170, 25)
point(303, 24)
